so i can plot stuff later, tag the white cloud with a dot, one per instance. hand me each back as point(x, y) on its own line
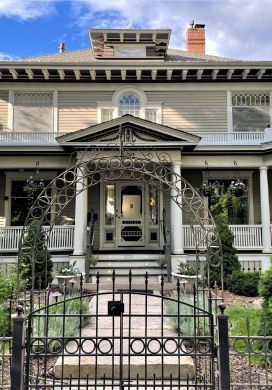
point(235, 29)
point(26, 9)
point(5, 56)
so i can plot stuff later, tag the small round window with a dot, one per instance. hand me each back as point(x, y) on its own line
point(129, 104)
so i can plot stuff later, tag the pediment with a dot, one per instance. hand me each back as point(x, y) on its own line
point(136, 130)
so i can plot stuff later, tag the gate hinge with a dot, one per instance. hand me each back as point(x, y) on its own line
point(115, 308)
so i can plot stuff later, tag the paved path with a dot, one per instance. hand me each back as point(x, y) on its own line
point(143, 334)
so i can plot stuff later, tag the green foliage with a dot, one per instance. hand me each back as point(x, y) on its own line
point(187, 325)
point(8, 285)
point(265, 290)
point(243, 321)
point(241, 283)
point(186, 269)
point(69, 270)
point(35, 236)
point(68, 322)
point(230, 259)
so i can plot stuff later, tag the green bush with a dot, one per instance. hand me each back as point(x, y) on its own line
point(265, 290)
point(241, 283)
point(8, 285)
point(230, 259)
point(43, 263)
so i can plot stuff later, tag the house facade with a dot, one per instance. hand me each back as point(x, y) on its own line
point(210, 115)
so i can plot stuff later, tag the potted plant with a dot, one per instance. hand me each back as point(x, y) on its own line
point(237, 188)
point(188, 275)
point(68, 277)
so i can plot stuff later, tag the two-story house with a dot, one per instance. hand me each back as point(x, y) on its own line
point(211, 114)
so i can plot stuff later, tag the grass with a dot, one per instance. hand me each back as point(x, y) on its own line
point(61, 323)
point(243, 320)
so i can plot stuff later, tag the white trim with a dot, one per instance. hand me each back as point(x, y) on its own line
point(126, 89)
point(229, 112)
point(10, 110)
point(55, 112)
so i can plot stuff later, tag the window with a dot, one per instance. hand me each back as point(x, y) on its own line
point(33, 111)
point(129, 104)
point(151, 114)
point(106, 114)
point(130, 52)
point(250, 111)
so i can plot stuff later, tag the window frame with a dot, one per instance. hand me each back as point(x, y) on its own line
point(230, 106)
point(54, 128)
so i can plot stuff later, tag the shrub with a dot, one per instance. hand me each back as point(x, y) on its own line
point(265, 290)
point(43, 263)
point(8, 285)
point(241, 283)
point(230, 259)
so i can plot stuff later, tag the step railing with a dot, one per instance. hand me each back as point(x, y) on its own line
point(245, 236)
point(61, 238)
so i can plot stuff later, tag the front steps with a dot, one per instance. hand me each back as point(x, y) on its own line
point(138, 264)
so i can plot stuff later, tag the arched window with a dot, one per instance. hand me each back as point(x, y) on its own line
point(129, 103)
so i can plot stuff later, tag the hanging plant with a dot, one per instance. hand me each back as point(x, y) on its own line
point(237, 188)
point(205, 189)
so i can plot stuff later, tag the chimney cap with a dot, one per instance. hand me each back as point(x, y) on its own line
point(192, 23)
point(199, 25)
point(61, 47)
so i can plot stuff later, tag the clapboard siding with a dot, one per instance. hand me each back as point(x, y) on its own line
point(78, 110)
point(192, 110)
point(3, 110)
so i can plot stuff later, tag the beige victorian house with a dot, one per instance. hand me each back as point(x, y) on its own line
point(212, 116)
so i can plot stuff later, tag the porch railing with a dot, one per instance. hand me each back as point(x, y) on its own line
point(29, 137)
point(245, 236)
point(207, 137)
point(61, 238)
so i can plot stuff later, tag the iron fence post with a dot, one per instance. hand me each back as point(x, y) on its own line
point(223, 345)
point(18, 350)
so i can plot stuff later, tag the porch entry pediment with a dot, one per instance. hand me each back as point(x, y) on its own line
point(137, 130)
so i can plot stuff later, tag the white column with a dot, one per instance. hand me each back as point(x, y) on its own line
point(176, 216)
point(81, 208)
point(265, 210)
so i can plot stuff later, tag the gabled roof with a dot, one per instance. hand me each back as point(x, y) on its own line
point(143, 131)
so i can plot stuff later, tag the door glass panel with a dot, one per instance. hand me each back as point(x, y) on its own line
point(109, 204)
point(131, 202)
point(153, 205)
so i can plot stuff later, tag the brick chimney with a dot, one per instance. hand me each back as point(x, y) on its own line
point(195, 38)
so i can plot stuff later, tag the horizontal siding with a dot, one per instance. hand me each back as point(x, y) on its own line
point(78, 110)
point(3, 110)
point(193, 110)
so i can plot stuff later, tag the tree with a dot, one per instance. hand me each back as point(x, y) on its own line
point(43, 262)
point(230, 259)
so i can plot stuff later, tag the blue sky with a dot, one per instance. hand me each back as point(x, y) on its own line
point(239, 29)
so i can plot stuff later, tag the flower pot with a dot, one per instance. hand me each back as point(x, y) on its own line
point(188, 281)
point(68, 282)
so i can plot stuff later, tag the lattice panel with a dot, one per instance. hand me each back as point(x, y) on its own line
point(251, 99)
point(29, 99)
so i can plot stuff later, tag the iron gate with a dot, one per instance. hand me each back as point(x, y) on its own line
point(125, 339)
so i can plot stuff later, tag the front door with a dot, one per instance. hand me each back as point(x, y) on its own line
point(130, 214)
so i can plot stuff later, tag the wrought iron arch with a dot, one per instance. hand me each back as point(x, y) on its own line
point(85, 174)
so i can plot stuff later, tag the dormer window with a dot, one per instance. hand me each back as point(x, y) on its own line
point(130, 52)
point(129, 104)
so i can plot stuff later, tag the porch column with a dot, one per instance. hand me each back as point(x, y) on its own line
point(80, 215)
point(265, 210)
point(176, 217)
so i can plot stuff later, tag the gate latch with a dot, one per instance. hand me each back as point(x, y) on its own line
point(115, 308)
